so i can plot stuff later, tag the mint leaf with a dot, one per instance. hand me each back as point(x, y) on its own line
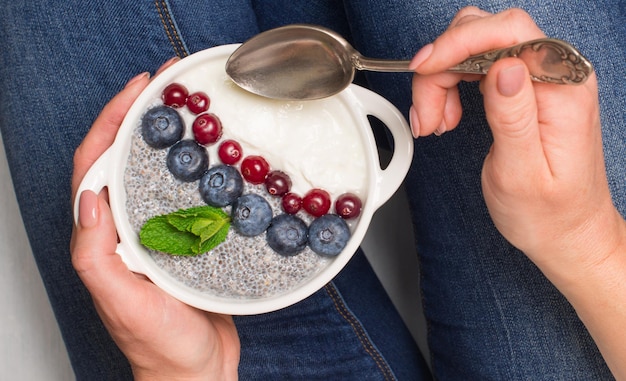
point(212, 241)
point(158, 234)
point(190, 231)
point(184, 219)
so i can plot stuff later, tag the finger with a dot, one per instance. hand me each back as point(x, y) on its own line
point(569, 118)
point(166, 65)
point(468, 14)
point(436, 103)
point(105, 127)
point(511, 109)
point(475, 36)
point(568, 122)
point(93, 255)
point(464, 16)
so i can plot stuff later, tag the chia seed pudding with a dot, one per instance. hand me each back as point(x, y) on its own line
point(246, 267)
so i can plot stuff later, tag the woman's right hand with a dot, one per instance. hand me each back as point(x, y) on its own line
point(544, 179)
point(163, 338)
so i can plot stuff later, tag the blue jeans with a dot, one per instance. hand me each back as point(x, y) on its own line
point(490, 313)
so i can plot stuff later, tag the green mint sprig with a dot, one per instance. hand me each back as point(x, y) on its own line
point(187, 232)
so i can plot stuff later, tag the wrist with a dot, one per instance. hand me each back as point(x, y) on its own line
point(597, 295)
point(589, 254)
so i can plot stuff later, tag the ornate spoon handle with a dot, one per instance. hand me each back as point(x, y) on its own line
point(549, 60)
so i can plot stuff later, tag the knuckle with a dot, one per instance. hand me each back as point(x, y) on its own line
point(79, 156)
point(464, 20)
point(518, 19)
point(515, 124)
point(516, 15)
point(467, 14)
point(470, 9)
point(80, 261)
point(464, 15)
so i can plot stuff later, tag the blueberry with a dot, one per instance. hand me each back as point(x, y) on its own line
point(328, 235)
point(251, 215)
point(162, 126)
point(187, 160)
point(221, 185)
point(287, 234)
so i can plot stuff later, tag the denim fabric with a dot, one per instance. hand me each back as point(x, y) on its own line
point(491, 314)
point(349, 330)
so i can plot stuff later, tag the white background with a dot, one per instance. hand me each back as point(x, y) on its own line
point(31, 347)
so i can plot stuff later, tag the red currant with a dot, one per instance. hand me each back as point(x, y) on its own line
point(348, 205)
point(175, 95)
point(277, 183)
point(230, 152)
point(316, 202)
point(291, 203)
point(198, 102)
point(254, 169)
point(207, 129)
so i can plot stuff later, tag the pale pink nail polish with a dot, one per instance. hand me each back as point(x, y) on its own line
point(88, 209)
point(421, 56)
point(415, 122)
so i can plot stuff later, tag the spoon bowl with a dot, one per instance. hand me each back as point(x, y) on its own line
point(293, 62)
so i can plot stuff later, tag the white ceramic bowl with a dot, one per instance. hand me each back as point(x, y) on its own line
point(108, 171)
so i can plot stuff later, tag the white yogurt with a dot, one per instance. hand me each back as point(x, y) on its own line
point(315, 143)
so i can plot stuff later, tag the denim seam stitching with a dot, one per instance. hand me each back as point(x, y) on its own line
point(359, 331)
point(170, 28)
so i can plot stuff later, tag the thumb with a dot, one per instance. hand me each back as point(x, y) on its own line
point(511, 110)
point(93, 252)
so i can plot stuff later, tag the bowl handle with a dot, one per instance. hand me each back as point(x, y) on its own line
point(95, 180)
point(389, 179)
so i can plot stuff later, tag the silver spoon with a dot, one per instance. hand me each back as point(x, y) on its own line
point(300, 62)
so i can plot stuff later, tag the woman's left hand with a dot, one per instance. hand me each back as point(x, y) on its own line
point(162, 337)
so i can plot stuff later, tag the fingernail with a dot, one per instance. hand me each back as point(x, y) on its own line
point(88, 209)
point(511, 80)
point(168, 63)
point(441, 129)
point(421, 56)
point(415, 122)
point(137, 78)
point(172, 60)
